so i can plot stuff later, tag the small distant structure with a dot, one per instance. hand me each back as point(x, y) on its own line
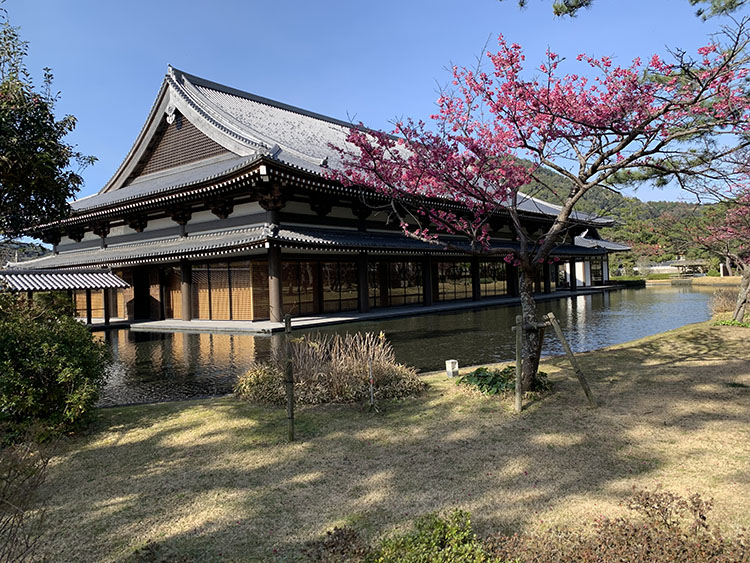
point(86, 281)
point(688, 268)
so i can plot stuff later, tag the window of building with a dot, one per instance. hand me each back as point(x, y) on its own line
point(454, 280)
point(340, 286)
point(298, 281)
point(395, 283)
point(493, 279)
point(597, 275)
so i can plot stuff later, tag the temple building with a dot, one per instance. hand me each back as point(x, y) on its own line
point(222, 211)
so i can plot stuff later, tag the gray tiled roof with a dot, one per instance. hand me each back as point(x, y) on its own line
point(157, 184)
point(172, 248)
point(56, 280)
point(254, 127)
point(374, 241)
point(240, 240)
point(599, 243)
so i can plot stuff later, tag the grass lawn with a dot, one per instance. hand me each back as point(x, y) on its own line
point(215, 480)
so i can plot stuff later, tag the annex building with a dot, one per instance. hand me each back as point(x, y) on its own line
point(222, 211)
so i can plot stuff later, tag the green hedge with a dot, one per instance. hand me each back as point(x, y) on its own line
point(51, 367)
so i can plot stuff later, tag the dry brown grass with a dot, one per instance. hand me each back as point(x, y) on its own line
point(711, 280)
point(214, 480)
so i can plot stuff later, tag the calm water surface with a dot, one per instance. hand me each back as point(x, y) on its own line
point(152, 367)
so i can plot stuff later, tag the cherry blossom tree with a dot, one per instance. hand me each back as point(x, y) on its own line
point(497, 129)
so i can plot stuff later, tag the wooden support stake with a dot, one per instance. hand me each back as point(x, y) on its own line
point(372, 386)
point(519, 344)
point(289, 376)
point(571, 357)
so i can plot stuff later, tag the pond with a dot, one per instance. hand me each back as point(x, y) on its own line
point(150, 367)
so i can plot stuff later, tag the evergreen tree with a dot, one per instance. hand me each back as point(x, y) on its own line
point(36, 179)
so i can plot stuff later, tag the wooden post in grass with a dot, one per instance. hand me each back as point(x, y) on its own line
point(519, 340)
point(289, 380)
point(372, 386)
point(571, 357)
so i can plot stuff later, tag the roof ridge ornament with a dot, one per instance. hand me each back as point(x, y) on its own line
point(170, 113)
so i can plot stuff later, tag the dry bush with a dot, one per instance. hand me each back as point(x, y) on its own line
point(340, 545)
point(723, 300)
point(670, 529)
point(332, 369)
point(23, 468)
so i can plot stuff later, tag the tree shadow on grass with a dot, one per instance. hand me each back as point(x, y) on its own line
point(214, 480)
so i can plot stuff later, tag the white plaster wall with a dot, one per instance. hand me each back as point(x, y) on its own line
point(200, 217)
point(156, 224)
point(119, 231)
point(605, 270)
point(587, 272)
point(581, 274)
point(249, 208)
point(298, 207)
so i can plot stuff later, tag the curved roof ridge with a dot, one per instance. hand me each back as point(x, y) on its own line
point(189, 85)
point(197, 80)
point(209, 111)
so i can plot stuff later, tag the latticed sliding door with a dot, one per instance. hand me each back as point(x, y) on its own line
point(259, 275)
point(219, 276)
point(201, 293)
point(242, 291)
point(172, 294)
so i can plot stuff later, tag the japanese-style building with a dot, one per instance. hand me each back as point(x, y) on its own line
point(222, 211)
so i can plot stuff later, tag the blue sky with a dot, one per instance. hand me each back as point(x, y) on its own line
point(371, 61)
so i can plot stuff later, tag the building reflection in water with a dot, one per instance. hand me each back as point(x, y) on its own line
point(151, 366)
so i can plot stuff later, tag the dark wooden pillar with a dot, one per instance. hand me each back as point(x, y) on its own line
point(362, 283)
point(30, 297)
point(572, 277)
point(274, 284)
point(427, 281)
point(547, 275)
point(512, 280)
point(186, 290)
point(538, 281)
point(88, 307)
point(107, 299)
point(476, 283)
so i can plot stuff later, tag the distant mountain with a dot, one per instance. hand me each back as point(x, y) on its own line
point(631, 215)
point(20, 251)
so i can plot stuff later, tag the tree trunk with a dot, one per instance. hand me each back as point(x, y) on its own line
point(530, 349)
point(743, 296)
point(728, 264)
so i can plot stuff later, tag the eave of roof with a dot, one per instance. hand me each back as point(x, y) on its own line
point(236, 241)
point(59, 280)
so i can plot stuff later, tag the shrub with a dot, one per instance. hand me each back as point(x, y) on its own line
point(493, 381)
point(339, 545)
point(331, 369)
point(434, 539)
point(670, 529)
point(723, 301)
point(51, 368)
point(730, 322)
point(713, 273)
